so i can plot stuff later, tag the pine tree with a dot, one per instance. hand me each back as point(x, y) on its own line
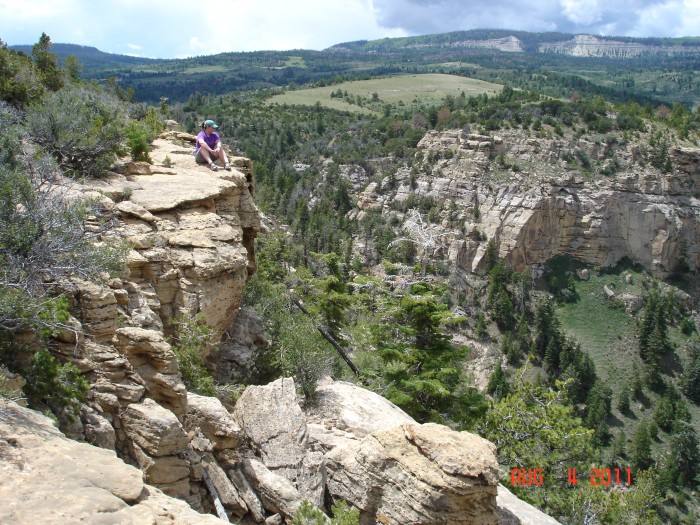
point(598, 410)
point(546, 328)
point(623, 400)
point(424, 367)
point(690, 378)
point(685, 455)
point(498, 383)
point(640, 450)
point(46, 63)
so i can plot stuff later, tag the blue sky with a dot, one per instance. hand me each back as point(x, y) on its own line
point(176, 29)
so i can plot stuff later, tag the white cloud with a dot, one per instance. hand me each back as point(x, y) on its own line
point(35, 10)
point(678, 18)
point(582, 12)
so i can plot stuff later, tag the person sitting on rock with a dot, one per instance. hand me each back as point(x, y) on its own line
point(208, 147)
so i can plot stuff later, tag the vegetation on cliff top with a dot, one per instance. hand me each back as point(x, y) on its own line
point(54, 127)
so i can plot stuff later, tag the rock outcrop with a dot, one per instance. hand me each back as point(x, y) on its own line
point(357, 446)
point(398, 471)
point(641, 213)
point(592, 46)
point(191, 236)
point(48, 478)
point(509, 44)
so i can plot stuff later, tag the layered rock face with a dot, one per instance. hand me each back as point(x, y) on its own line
point(543, 209)
point(357, 446)
point(591, 46)
point(191, 233)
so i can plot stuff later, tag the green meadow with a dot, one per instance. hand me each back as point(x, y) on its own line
point(369, 96)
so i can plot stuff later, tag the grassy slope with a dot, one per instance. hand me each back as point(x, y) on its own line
point(403, 90)
point(608, 336)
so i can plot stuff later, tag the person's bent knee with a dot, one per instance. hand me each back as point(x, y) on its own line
point(200, 158)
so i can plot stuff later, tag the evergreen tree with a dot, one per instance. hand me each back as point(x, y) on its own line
point(424, 367)
point(523, 341)
point(690, 378)
point(619, 449)
point(685, 455)
point(503, 313)
point(640, 450)
point(534, 425)
point(546, 328)
point(480, 328)
point(653, 333)
point(498, 385)
point(598, 406)
point(623, 400)
point(47, 63)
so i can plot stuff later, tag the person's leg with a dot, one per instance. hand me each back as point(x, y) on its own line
point(225, 159)
point(203, 156)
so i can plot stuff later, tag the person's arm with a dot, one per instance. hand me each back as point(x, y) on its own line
point(202, 139)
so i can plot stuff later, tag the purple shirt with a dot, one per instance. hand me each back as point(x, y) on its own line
point(211, 140)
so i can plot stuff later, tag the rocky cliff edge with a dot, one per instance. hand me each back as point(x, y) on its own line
point(191, 233)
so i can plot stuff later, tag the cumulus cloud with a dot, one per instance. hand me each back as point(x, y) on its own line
point(582, 12)
point(608, 17)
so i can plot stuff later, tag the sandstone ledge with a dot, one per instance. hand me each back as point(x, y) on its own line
point(48, 478)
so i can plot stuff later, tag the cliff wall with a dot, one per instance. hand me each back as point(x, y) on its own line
point(190, 233)
point(521, 192)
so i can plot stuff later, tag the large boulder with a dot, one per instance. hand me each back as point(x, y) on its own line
point(347, 407)
point(48, 478)
point(225, 490)
point(215, 422)
point(272, 419)
point(154, 429)
point(275, 426)
point(419, 474)
point(276, 492)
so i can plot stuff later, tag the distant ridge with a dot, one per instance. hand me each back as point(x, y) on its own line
point(91, 57)
point(592, 46)
point(579, 45)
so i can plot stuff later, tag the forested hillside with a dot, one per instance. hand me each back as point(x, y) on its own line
point(660, 70)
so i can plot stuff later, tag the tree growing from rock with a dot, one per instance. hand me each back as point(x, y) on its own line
point(422, 366)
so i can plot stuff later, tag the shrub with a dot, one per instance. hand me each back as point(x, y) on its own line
point(307, 514)
point(42, 237)
point(192, 339)
point(138, 138)
point(62, 388)
point(304, 355)
point(81, 129)
point(20, 83)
